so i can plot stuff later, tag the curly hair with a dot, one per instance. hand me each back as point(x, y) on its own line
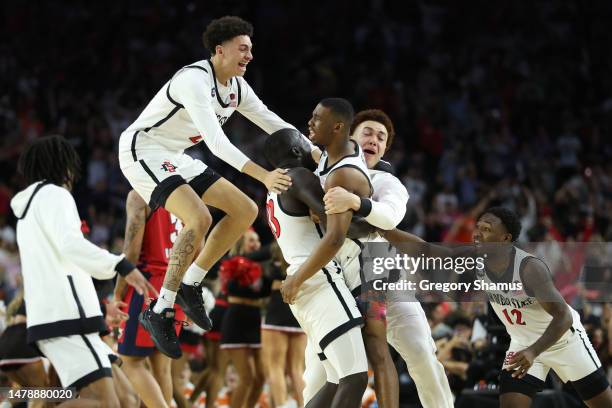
point(375, 115)
point(510, 220)
point(224, 29)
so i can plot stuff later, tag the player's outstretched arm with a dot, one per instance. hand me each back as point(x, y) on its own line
point(188, 88)
point(538, 282)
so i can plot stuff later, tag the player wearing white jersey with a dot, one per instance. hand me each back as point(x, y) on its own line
point(190, 108)
point(329, 127)
point(406, 327)
point(64, 318)
point(545, 332)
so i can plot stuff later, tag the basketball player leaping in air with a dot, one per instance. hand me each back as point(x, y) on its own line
point(189, 108)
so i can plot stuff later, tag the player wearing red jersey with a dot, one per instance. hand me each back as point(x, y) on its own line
point(149, 236)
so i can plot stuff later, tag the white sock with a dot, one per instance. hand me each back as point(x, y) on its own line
point(194, 275)
point(165, 300)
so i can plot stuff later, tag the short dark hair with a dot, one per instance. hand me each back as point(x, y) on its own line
point(50, 158)
point(341, 108)
point(223, 29)
point(377, 116)
point(510, 220)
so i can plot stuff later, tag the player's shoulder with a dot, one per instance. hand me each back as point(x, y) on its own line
point(53, 190)
point(352, 178)
point(197, 71)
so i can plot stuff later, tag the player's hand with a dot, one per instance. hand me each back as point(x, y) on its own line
point(521, 362)
point(114, 314)
point(277, 181)
point(337, 200)
point(290, 289)
point(141, 285)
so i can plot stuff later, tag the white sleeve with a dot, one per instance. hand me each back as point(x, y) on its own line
point(388, 202)
point(64, 227)
point(189, 88)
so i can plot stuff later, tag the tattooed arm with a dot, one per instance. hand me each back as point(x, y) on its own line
point(136, 216)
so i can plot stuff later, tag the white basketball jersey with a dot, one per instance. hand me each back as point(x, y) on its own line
point(355, 160)
point(167, 124)
point(297, 235)
point(524, 317)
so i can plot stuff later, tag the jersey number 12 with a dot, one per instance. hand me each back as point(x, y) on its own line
point(517, 315)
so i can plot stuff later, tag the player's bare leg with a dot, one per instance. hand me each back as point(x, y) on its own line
point(297, 345)
point(258, 379)
point(31, 375)
point(385, 374)
point(212, 379)
point(99, 394)
point(178, 382)
point(161, 366)
point(274, 347)
point(514, 400)
point(159, 318)
point(240, 212)
point(603, 400)
point(242, 361)
point(125, 392)
point(144, 382)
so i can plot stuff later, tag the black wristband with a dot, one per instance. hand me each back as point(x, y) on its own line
point(124, 267)
point(365, 208)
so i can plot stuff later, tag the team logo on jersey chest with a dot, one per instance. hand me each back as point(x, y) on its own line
point(169, 167)
point(233, 101)
point(212, 93)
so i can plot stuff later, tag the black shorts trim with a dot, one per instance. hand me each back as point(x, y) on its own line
point(68, 327)
point(339, 331)
point(90, 347)
point(528, 385)
point(202, 182)
point(592, 385)
point(92, 377)
point(148, 170)
point(586, 347)
point(163, 190)
point(134, 145)
point(337, 292)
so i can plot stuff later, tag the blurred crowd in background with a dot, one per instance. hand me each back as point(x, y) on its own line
point(505, 103)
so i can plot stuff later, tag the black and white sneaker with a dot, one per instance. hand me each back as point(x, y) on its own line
point(190, 299)
point(161, 328)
